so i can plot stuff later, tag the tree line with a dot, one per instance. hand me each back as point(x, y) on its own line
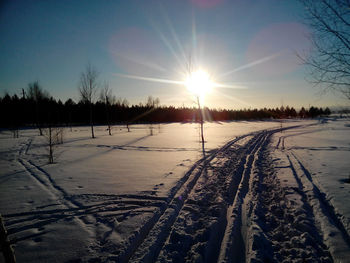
point(36, 108)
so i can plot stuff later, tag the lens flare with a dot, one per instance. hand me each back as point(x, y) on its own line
point(199, 83)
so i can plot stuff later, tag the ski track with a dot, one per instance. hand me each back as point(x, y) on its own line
point(335, 234)
point(209, 223)
point(75, 210)
point(282, 223)
point(66, 206)
point(324, 232)
point(164, 241)
point(228, 207)
point(145, 245)
point(232, 248)
point(45, 182)
point(304, 178)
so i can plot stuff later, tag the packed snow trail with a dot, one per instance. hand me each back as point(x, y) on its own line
point(207, 221)
point(233, 209)
point(147, 245)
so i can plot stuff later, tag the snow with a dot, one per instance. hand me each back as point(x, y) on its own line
point(255, 193)
point(319, 157)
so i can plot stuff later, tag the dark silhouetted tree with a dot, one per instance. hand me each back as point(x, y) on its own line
point(302, 113)
point(327, 111)
point(329, 62)
point(108, 99)
point(69, 106)
point(88, 87)
point(152, 104)
point(53, 135)
point(189, 68)
point(37, 96)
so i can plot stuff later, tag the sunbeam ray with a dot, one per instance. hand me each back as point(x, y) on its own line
point(254, 63)
point(167, 44)
point(168, 81)
point(194, 33)
point(172, 31)
point(228, 86)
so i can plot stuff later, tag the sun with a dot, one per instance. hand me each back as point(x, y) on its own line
point(199, 83)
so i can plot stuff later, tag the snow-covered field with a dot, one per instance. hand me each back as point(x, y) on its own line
point(254, 193)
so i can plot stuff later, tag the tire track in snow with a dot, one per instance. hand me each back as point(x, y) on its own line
point(335, 234)
point(146, 246)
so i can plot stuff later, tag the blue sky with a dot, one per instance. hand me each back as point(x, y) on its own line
point(249, 46)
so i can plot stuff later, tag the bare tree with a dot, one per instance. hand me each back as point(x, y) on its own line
point(108, 99)
point(36, 94)
point(329, 62)
point(124, 103)
point(189, 69)
point(88, 87)
point(153, 104)
point(15, 131)
point(53, 136)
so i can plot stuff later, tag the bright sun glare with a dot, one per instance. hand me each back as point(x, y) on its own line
point(199, 83)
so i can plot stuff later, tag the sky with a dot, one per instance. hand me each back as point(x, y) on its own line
point(141, 48)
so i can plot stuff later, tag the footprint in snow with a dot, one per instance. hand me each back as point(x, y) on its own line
point(167, 174)
point(38, 239)
point(26, 187)
point(149, 192)
point(156, 187)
